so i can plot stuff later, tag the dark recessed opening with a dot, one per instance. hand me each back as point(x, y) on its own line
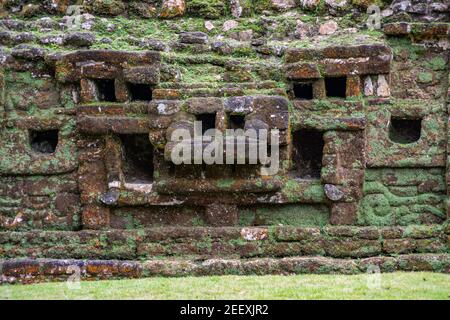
point(106, 90)
point(307, 153)
point(336, 87)
point(44, 141)
point(405, 130)
point(236, 121)
point(138, 158)
point(208, 121)
point(171, 168)
point(303, 91)
point(140, 92)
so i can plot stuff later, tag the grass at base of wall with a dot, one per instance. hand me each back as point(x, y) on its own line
point(384, 286)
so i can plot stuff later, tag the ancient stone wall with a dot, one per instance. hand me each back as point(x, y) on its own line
point(91, 92)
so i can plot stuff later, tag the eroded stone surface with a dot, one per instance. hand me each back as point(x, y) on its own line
point(89, 102)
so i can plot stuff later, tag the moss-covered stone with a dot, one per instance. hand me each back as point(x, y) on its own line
point(212, 9)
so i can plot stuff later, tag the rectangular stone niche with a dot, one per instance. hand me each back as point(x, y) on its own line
point(44, 141)
point(303, 90)
point(106, 90)
point(140, 92)
point(405, 131)
point(208, 121)
point(236, 121)
point(137, 163)
point(307, 153)
point(336, 87)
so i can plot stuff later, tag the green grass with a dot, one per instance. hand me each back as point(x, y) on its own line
point(393, 286)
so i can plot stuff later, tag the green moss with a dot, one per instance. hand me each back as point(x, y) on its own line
point(225, 183)
point(436, 64)
point(296, 191)
point(368, 3)
point(205, 245)
point(403, 46)
point(425, 77)
point(198, 222)
point(210, 9)
point(245, 52)
point(381, 207)
point(261, 5)
point(290, 215)
point(246, 217)
point(201, 73)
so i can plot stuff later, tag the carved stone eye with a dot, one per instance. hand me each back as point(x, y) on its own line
point(44, 141)
point(336, 87)
point(405, 131)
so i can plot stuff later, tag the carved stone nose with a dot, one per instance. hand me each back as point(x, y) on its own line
point(110, 197)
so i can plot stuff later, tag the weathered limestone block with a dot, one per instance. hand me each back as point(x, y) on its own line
point(428, 151)
point(333, 192)
point(296, 234)
point(106, 7)
point(254, 234)
point(92, 172)
point(328, 28)
point(399, 246)
point(212, 9)
point(337, 4)
point(31, 271)
point(236, 8)
point(383, 87)
point(309, 4)
point(79, 39)
point(283, 4)
point(368, 87)
point(26, 52)
point(58, 6)
point(99, 70)
point(239, 104)
point(424, 262)
point(222, 215)
point(69, 67)
point(180, 125)
point(343, 165)
point(353, 86)
point(203, 105)
point(383, 205)
point(147, 75)
point(143, 9)
point(36, 203)
point(23, 91)
point(89, 91)
point(121, 90)
point(302, 71)
point(39, 157)
point(419, 10)
point(95, 217)
point(416, 30)
point(343, 213)
point(120, 125)
point(273, 110)
point(172, 8)
point(193, 37)
point(352, 248)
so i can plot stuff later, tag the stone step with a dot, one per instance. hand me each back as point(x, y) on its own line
point(240, 242)
point(40, 270)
